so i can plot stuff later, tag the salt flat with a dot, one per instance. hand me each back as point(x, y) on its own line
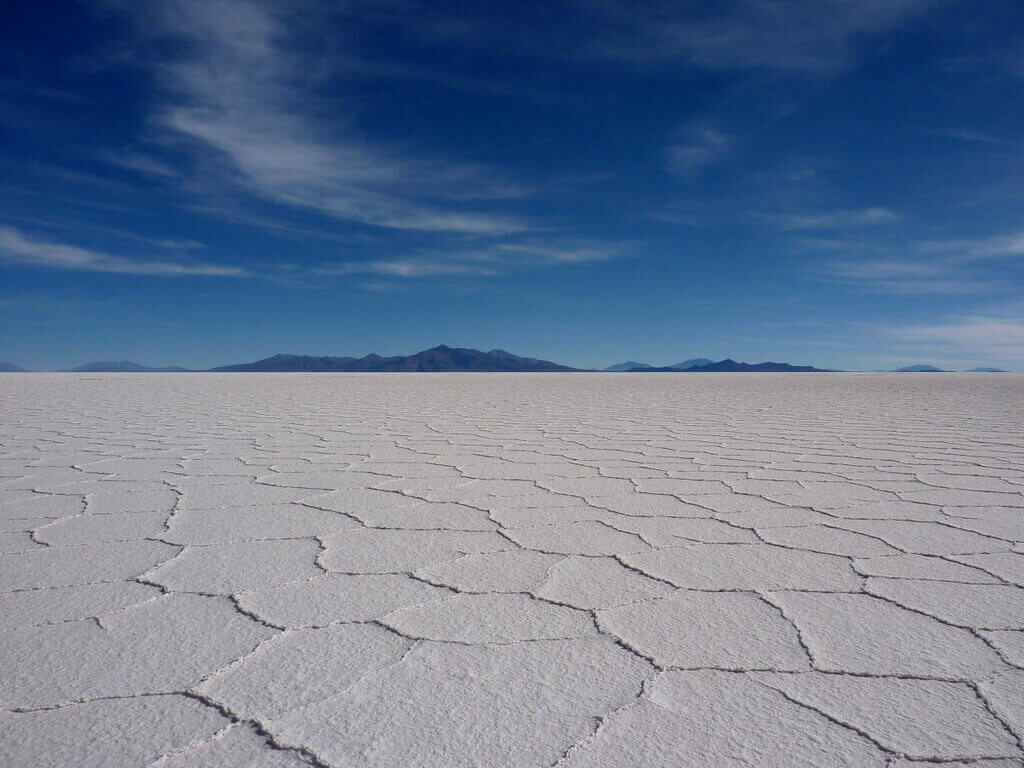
point(512, 570)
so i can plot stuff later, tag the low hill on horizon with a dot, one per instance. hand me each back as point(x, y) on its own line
point(11, 368)
point(692, 363)
point(629, 365)
point(919, 369)
point(731, 366)
point(443, 358)
point(437, 359)
point(124, 366)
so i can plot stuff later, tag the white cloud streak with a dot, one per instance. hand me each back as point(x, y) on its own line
point(805, 37)
point(405, 268)
point(572, 253)
point(495, 259)
point(816, 37)
point(936, 267)
point(854, 217)
point(18, 248)
point(988, 340)
point(1002, 246)
point(971, 331)
point(696, 147)
point(241, 99)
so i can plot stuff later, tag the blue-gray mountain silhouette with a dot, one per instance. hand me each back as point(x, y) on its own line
point(438, 359)
point(629, 365)
point(11, 368)
point(692, 363)
point(731, 366)
point(124, 366)
point(919, 369)
point(985, 370)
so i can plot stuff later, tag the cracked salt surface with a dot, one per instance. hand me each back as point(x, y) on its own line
point(512, 570)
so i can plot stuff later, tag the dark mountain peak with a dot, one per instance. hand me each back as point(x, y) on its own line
point(693, 362)
point(441, 358)
point(919, 369)
point(286, 362)
point(124, 366)
point(731, 366)
point(107, 365)
point(629, 365)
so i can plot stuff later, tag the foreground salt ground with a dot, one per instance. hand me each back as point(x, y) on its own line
point(511, 570)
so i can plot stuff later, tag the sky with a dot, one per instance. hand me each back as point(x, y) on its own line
point(204, 182)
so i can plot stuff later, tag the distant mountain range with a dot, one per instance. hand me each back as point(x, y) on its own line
point(695, 362)
point(448, 359)
point(630, 365)
point(935, 369)
point(124, 366)
point(731, 366)
point(437, 359)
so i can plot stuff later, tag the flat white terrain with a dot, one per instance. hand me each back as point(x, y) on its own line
point(512, 570)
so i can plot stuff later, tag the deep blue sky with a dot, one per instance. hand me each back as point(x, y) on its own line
point(200, 182)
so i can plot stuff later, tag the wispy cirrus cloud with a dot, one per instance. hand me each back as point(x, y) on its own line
point(989, 340)
point(140, 162)
point(241, 101)
point(405, 268)
point(927, 267)
point(835, 219)
point(905, 278)
point(795, 36)
point(695, 147)
point(806, 37)
point(19, 248)
point(1000, 246)
point(974, 331)
point(974, 137)
point(579, 252)
point(495, 259)
point(167, 243)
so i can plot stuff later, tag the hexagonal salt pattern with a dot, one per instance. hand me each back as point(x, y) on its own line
point(512, 570)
